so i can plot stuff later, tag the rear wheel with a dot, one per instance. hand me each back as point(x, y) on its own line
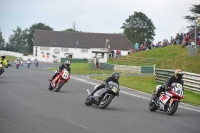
point(152, 106)
point(59, 86)
point(104, 103)
point(172, 109)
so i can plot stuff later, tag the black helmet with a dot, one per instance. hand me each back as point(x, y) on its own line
point(115, 75)
point(67, 63)
point(178, 74)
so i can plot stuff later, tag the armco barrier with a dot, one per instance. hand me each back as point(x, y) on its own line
point(191, 80)
point(74, 60)
point(107, 66)
point(128, 69)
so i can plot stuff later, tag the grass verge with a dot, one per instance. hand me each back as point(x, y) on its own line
point(84, 68)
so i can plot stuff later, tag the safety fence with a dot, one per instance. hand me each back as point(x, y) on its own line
point(125, 68)
point(135, 60)
point(74, 60)
point(191, 80)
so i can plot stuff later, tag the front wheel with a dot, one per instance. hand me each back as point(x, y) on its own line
point(88, 101)
point(50, 87)
point(152, 106)
point(59, 86)
point(104, 103)
point(172, 109)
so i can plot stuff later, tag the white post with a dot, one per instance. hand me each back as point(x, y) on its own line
point(195, 31)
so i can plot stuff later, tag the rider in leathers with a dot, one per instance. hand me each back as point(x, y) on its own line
point(176, 78)
point(4, 62)
point(65, 65)
point(115, 77)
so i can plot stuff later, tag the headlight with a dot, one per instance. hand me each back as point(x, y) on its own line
point(115, 89)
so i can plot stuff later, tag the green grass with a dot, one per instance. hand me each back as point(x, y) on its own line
point(84, 68)
point(10, 58)
point(169, 57)
point(147, 84)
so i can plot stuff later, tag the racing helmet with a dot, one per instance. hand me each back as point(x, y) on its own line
point(116, 76)
point(3, 56)
point(178, 74)
point(67, 63)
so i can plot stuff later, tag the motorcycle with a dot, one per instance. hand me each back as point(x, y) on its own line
point(167, 101)
point(59, 80)
point(104, 96)
point(17, 64)
point(28, 63)
point(1, 68)
point(36, 63)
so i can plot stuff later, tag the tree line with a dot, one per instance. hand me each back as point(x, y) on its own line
point(138, 28)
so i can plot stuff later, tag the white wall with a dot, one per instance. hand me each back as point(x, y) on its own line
point(16, 54)
point(11, 53)
point(75, 51)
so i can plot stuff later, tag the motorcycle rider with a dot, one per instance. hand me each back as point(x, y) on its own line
point(114, 77)
point(29, 59)
point(36, 61)
point(18, 60)
point(176, 78)
point(65, 65)
point(4, 62)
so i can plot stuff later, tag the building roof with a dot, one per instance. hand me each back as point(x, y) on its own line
point(48, 38)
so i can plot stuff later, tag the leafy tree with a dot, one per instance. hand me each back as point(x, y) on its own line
point(138, 28)
point(195, 9)
point(2, 41)
point(17, 41)
point(31, 32)
point(69, 30)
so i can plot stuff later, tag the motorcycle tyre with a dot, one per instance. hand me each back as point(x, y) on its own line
point(153, 107)
point(173, 110)
point(59, 86)
point(50, 87)
point(106, 103)
point(88, 102)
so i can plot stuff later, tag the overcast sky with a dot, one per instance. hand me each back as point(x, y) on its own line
point(98, 16)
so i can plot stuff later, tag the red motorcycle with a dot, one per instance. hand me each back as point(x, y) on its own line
point(59, 80)
point(17, 64)
point(168, 101)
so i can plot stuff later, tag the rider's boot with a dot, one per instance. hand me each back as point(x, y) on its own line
point(157, 94)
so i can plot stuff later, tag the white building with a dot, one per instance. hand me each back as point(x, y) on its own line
point(54, 45)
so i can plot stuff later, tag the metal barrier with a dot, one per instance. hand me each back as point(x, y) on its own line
point(136, 60)
point(191, 80)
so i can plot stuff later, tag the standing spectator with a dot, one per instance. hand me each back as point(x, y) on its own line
point(171, 41)
point(198, 41)
point(167, 42)
point(187, 38)
point(181, 38)
point(112, 52)
point(177, 38)
point(198, 35)
point(136, 47)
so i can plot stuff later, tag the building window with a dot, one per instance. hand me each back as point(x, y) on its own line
point(84, 50)
point(64, 49)
point(44, 48)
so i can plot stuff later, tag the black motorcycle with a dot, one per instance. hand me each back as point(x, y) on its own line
point(36, 63)
point(104, 96)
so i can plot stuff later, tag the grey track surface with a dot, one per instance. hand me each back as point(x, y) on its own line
point(27, 106)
